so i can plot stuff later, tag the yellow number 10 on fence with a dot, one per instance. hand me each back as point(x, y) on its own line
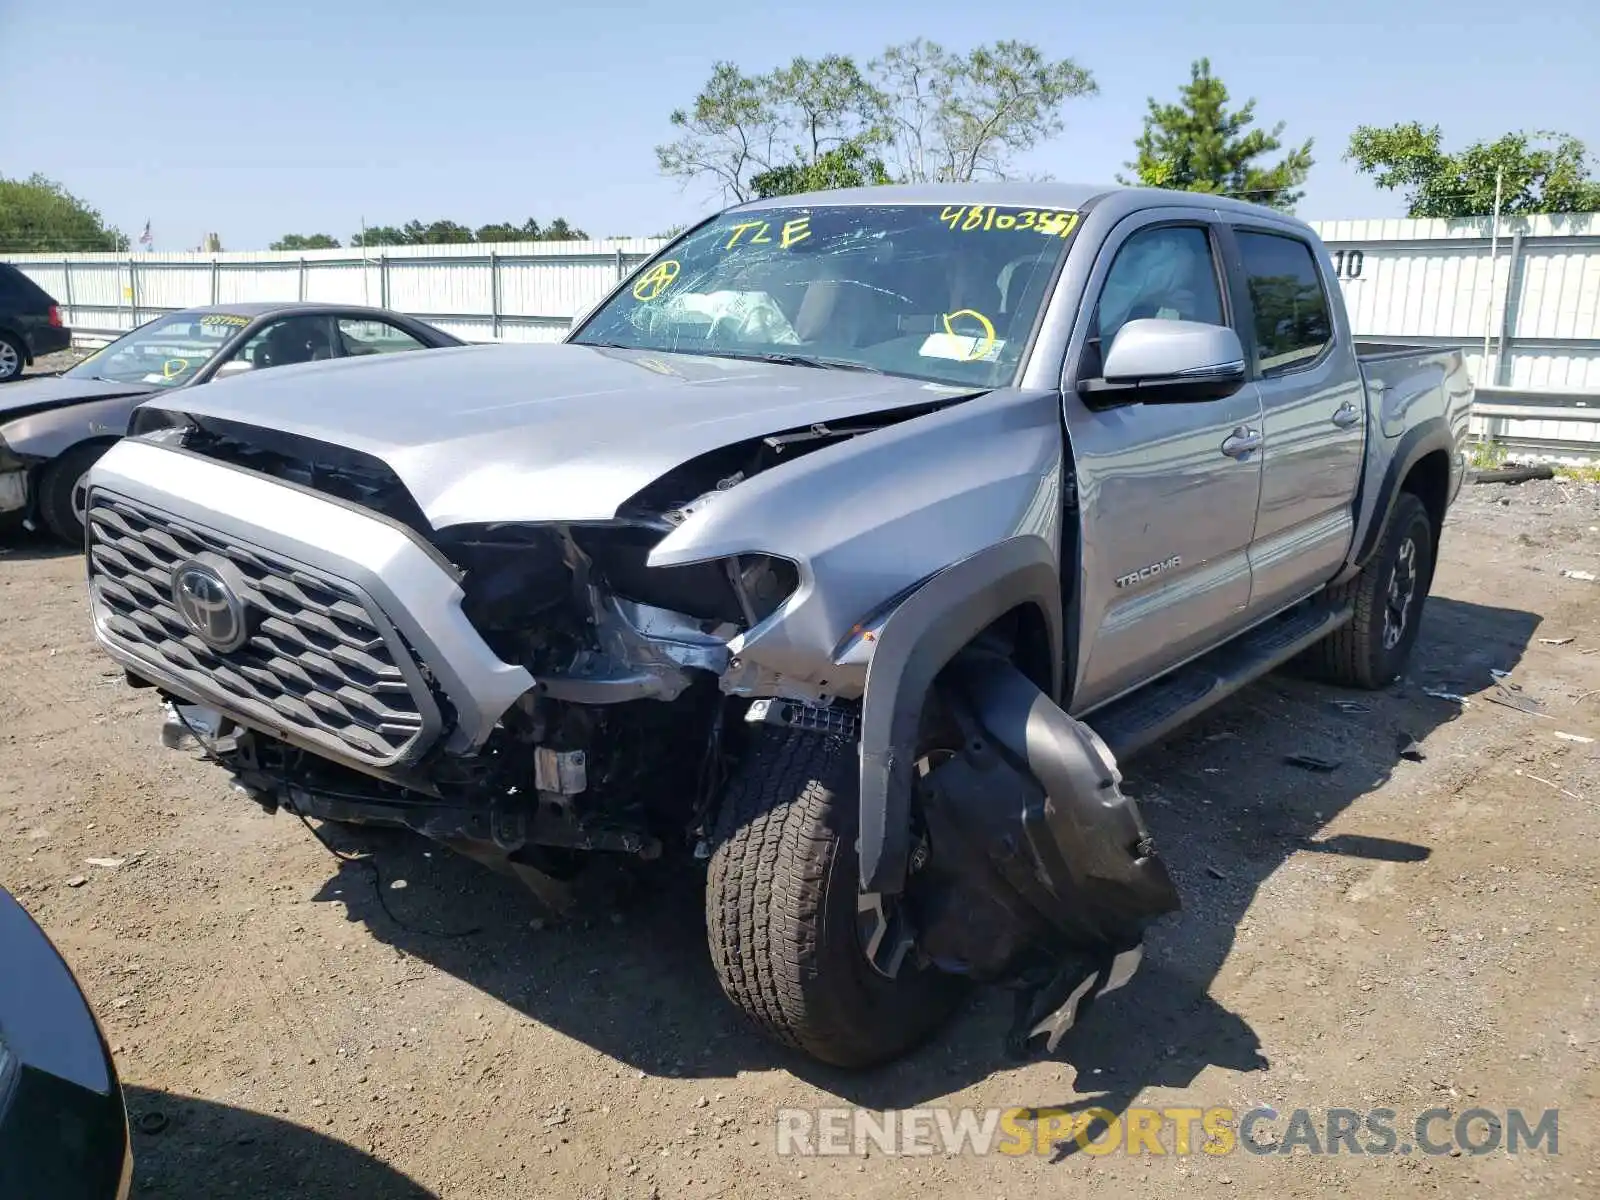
point(969, 218)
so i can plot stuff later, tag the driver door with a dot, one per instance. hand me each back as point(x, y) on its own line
point(1167, 493)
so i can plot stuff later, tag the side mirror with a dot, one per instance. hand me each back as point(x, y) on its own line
point(1156, 361)
point(234, 366)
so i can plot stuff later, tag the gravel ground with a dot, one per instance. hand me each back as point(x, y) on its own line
point(1391, 933)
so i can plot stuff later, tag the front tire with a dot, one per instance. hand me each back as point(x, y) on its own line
point(781, 910)
point(61, 493)
point(1388, 594)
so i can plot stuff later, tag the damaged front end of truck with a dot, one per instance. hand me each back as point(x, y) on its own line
point(619, 599)
point(532, 692)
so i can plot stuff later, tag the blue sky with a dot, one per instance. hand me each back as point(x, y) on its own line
point(260, 117)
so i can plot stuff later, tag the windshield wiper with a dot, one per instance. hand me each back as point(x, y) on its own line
point(813, 360)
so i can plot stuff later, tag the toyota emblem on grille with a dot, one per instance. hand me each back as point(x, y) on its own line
point(209, 606)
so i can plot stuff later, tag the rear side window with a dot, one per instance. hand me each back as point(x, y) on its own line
point(1293, 323)
point(21, 291)
point(365, 335)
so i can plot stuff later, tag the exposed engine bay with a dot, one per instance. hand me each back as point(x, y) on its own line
point(590, 758)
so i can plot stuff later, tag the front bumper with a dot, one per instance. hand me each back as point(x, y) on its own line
point(63, 1126)
point(413, 597)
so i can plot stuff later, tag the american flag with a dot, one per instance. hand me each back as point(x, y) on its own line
point(144, 238)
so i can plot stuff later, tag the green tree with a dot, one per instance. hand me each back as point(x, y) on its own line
point(559, 231)
point(743, 125)
point(844, 166)
point(39, 214)
point(379, 235)
point(916, 113)
point(1541, 172)
point(304, 241)
point(435, 233)
point(505, 231)
point(1198, 145)
point(951, 118)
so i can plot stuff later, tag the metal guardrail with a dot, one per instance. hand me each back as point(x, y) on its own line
point(1539, 426)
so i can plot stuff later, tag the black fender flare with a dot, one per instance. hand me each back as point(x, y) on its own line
point(1418, 441)
point(920, 637)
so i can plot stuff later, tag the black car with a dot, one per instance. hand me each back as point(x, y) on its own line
point(63, 1128)
point(30, 323)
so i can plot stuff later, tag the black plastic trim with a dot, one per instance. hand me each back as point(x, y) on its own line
point(914, 645)
point(1415, 443)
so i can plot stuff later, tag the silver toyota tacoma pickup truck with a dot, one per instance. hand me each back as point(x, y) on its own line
point(847, 545)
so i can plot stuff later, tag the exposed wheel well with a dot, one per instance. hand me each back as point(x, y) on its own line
point(1025, 635)
point(1429, 481)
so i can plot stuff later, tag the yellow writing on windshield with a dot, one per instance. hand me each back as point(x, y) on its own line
point(656, 280)
point(969, 218)
point(174, 367)
point(790, 232)
point(223, 319)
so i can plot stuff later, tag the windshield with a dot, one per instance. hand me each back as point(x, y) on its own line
point(164, 353)
point(944, 293)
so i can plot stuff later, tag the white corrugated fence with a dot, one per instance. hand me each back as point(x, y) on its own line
point(1523, 301)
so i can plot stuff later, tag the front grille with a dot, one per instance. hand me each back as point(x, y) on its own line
point(322, 666)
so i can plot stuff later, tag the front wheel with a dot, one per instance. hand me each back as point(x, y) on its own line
point(62, 495)
point(1388, 596)
point(781, 910)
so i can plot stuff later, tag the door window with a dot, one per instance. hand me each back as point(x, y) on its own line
point(367, 335)
point(1163, 272)
point(1293, 323)
point(1167, 271)
point(286, 342)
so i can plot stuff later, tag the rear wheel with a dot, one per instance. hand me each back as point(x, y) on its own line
point(62, 495)
point(782, 913)
point(1388, 595)
point(12, 357)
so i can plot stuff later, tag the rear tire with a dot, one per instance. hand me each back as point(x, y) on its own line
point(60, 501)
point(781, 910)
point(1388, 594)
point(13, 358)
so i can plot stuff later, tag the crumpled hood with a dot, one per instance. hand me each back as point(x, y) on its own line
point(44, 392)
point(543, 432)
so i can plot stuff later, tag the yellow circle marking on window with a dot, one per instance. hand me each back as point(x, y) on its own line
point(982, 347)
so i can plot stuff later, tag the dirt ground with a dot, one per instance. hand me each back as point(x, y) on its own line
point(1392, 933)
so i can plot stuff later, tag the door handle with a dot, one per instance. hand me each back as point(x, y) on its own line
point(1346, 415)
point(1241, 442)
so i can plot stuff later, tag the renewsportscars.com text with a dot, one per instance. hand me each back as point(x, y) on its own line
point(1161, 1131)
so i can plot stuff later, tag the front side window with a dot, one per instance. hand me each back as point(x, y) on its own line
point(286, 342)
point(1165, 272)
point(1293, 323)
point(947, 293)
point(165, 352)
